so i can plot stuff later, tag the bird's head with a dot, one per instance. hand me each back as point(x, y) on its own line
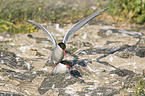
point(62, 46)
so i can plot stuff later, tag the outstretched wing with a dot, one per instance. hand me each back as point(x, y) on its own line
point(80, 24)
point(45, 30)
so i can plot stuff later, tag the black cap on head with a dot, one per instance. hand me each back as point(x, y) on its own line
point(64, 62)
point(70, 63)
point(62, 45)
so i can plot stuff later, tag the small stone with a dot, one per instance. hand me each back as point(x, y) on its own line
point(141, 53)
point(8, 93)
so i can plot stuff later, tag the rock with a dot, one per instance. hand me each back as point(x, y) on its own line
point(56, 82)
point(8, 93)
point(122, 72)
point(104, 51)
point(27, 76)
point(108, 61)
point(124, 54)
point(141, 53)
point(99, 91)
point(10, 59)
point(81, 44)
point(109, 32)
point(96, 51)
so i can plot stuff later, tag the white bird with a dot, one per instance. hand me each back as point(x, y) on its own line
point(61, 68)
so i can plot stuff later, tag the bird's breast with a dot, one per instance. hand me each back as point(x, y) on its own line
point(57, 55)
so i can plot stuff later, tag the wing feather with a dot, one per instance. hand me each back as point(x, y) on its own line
point(45, 30)
point(79, 25)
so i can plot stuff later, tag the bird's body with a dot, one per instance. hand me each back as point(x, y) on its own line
point(57, 55)
point(60, 68)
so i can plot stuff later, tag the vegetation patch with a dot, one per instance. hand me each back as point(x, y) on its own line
point(15, 13)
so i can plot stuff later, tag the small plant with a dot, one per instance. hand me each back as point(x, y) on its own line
point(135, 83)
point(8, 26)
point(4, 25)
point(139, 88)
point(128, 10)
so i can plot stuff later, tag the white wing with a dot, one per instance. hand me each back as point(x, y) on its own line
point(80, 24)
point(45, 30)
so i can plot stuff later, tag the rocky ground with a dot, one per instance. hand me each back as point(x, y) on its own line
point(110, 60)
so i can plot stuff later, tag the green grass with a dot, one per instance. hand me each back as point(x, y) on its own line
point(130, 11)
point(15, 13)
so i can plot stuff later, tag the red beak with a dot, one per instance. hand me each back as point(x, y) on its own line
point(64, 52)
point(68, 66)
point(55, 65)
